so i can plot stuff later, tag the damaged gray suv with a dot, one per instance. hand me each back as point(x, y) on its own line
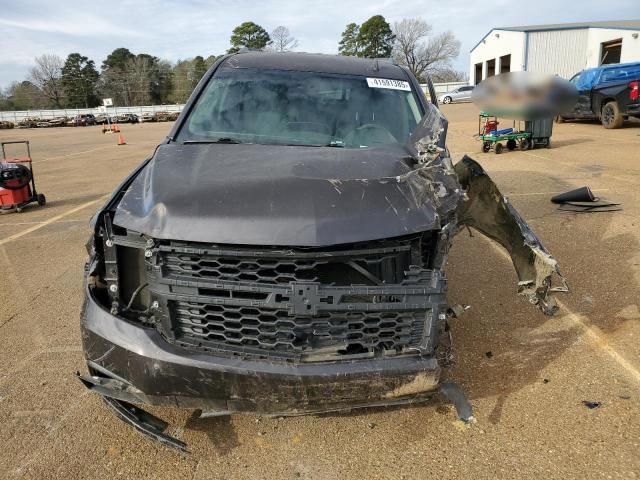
point(282, 251)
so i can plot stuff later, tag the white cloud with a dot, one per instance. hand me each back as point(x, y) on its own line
point(71, 26)
point(174, 29)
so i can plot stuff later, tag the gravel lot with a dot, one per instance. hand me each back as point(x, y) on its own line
point(525, 374)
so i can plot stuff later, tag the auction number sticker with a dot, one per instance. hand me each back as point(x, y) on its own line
point(388, 83)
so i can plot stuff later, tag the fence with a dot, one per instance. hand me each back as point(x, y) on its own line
point(445, 87)
point(18, 116)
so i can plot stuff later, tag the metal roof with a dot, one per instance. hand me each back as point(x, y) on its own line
point(316, 62)
point(625, 24)
point(615, 24)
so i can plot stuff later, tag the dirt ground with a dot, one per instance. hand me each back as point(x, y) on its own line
point(526, 375)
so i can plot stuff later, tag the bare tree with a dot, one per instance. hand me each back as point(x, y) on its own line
point(421, 52)
point(139, 76)
point(281, 40)
point(449, 75)
point(47, 76)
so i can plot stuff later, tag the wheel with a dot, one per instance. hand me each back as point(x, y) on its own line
point(498, 148)
point(611, 116)
point(486, 146)
point(446, 100)
point(42, 200)
point(525, 144)
point(511, 144)
point(547, 143)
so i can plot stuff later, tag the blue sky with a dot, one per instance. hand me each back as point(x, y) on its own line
point(174, 29)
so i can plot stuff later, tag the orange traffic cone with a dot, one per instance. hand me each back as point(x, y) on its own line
point(121, 140)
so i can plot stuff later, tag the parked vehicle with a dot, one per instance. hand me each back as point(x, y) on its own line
point(162, 116)
point(282, 252)
point(609, 93)
point(29, 122)
point(52, 122)
point(82, 120)
point(461, 94)
point(4, 124)
point(128, 118)
point(149, 117)
point(173, 116)
point(102, 119)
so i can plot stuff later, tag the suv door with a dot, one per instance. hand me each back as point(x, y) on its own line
point(584, 82)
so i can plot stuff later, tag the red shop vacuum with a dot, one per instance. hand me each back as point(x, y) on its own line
point(17, 184)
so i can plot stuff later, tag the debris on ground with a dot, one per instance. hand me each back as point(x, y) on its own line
point(457, 310)
point(582, 200)
point(455, 395)
point(489, 354)
point(591, 405)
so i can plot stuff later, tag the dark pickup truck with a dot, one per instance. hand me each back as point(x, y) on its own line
point(608, 93)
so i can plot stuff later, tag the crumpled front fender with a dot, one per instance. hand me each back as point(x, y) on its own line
point(488, 211)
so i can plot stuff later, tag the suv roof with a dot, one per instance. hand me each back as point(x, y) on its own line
point(316, 62)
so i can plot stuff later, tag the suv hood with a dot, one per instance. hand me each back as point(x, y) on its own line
point(282, 195)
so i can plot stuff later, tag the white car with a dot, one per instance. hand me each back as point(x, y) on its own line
point(460, 94)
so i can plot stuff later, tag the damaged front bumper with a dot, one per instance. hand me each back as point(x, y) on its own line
point(133, 363)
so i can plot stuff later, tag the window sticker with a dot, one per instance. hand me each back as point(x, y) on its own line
point(388, 83)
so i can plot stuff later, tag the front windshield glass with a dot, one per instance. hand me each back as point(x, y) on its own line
point(301, 108)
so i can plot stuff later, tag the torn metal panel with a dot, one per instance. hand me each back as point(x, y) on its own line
point(145, 423)
point(489, 212)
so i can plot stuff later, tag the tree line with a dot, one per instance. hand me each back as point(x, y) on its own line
point(142, 79)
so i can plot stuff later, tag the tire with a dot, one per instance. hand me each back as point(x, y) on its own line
point(525, 144)
point(611, 116)
point(446, 100)
point(511, 144)
point(498, 148)
point(486, 146)
point(42, 200)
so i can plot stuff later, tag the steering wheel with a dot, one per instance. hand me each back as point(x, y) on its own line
point(14, 176)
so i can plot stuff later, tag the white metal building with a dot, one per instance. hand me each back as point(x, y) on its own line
point(561, 49)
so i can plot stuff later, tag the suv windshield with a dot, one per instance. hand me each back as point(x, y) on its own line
point(302, 108)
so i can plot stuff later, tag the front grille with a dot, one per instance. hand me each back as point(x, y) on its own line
point(296, 303)
point(285, 266)
point(262, 270)
point(275, 330)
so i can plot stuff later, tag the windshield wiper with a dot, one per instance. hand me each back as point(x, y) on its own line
point(219, 140)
